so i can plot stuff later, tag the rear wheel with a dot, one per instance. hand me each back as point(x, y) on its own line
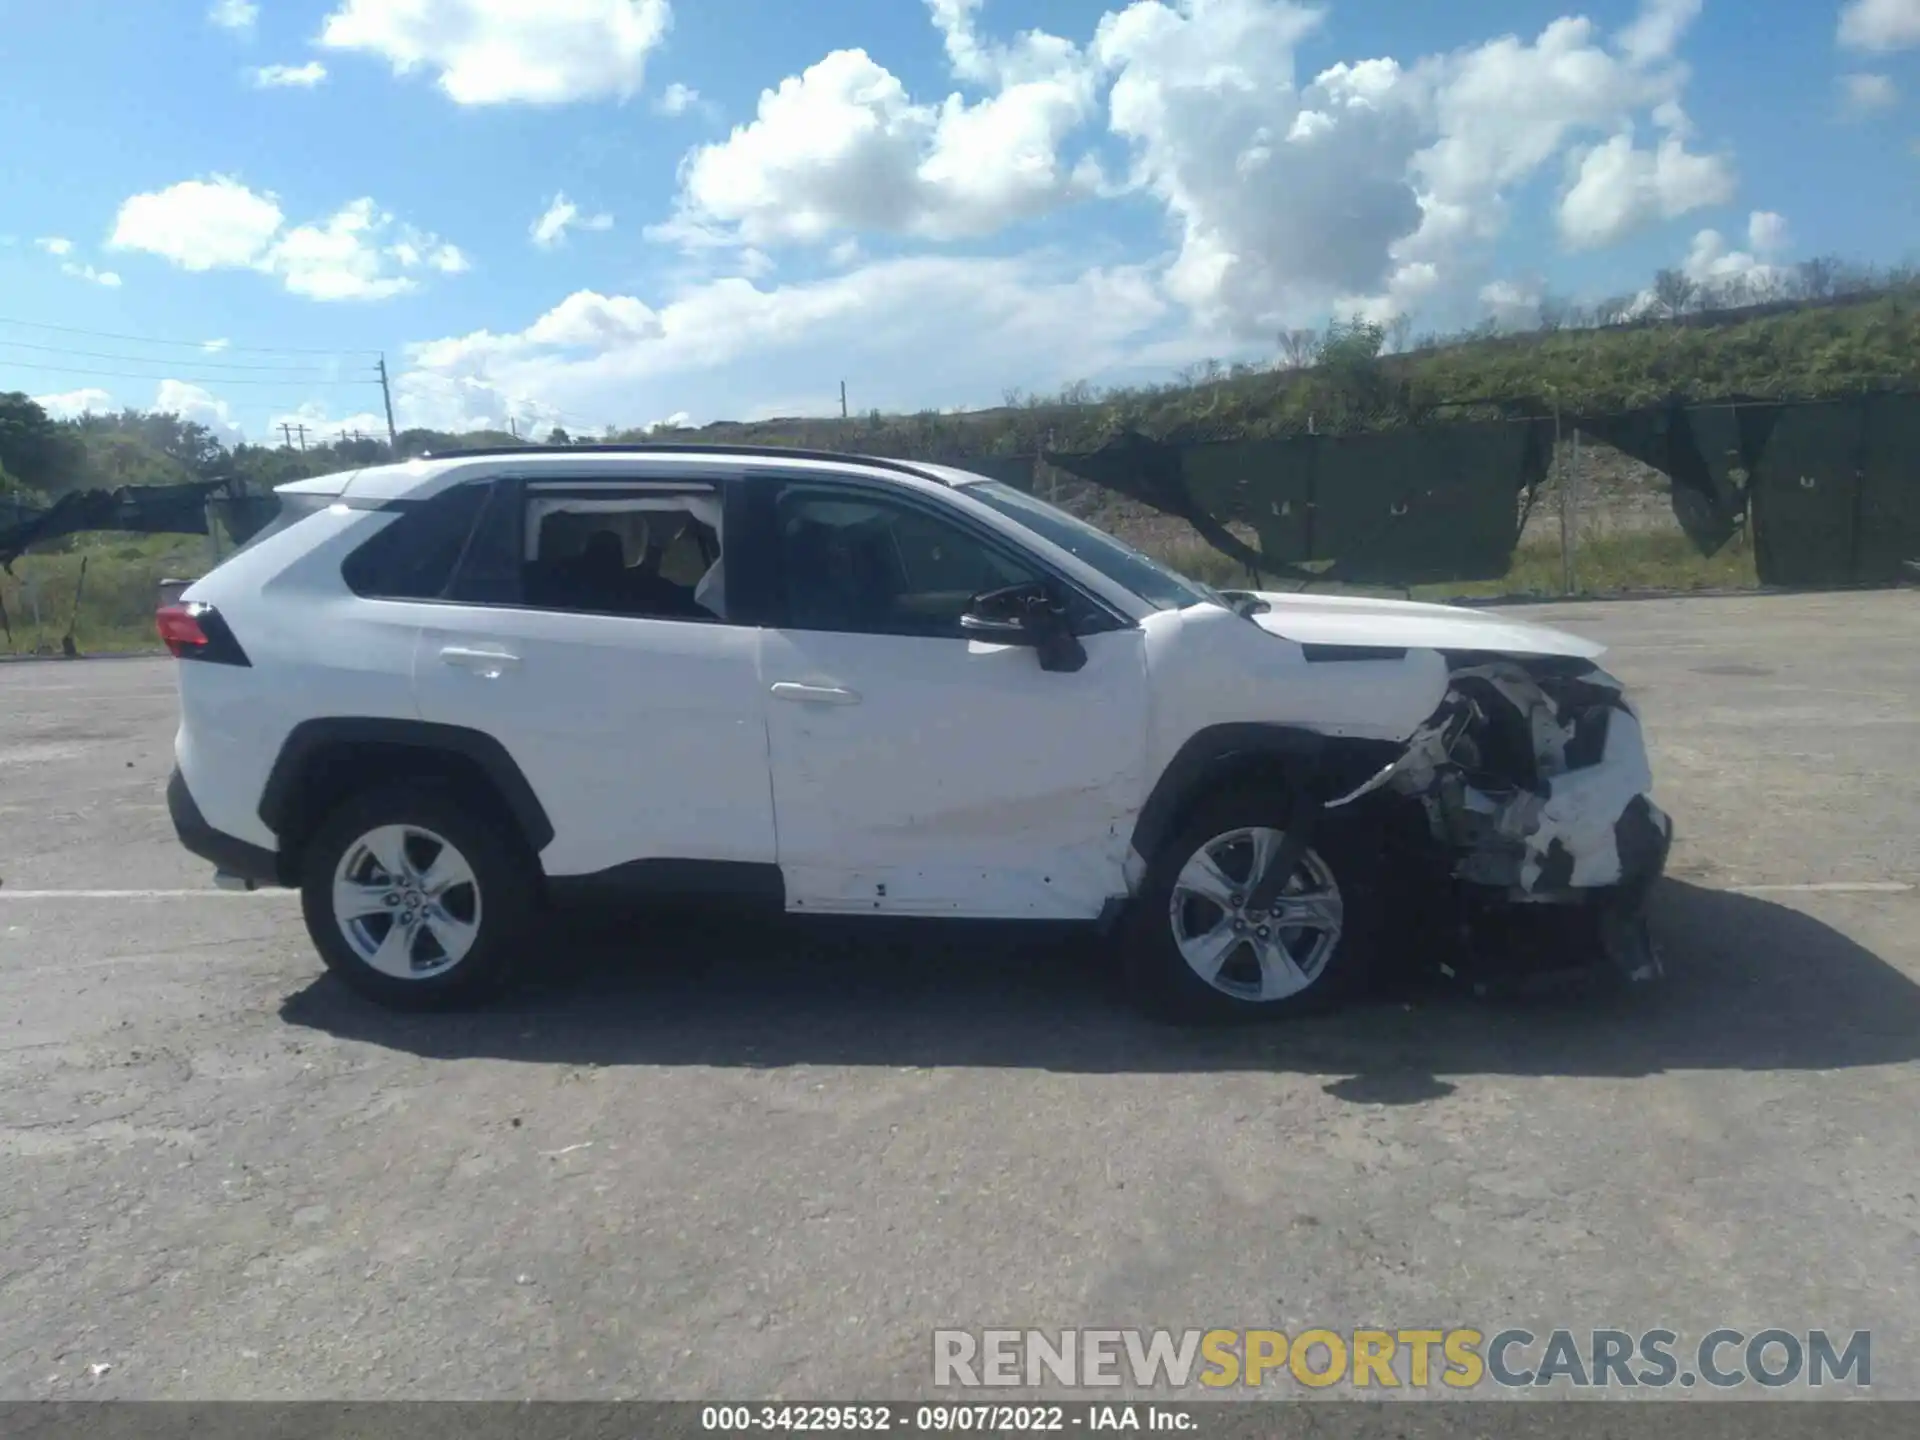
point(413, 900)
point(1199, 950)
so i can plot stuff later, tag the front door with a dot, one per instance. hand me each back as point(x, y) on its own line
point(915, 770)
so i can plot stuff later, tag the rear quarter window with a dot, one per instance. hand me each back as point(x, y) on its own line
point(291, 510)
point(413, 557)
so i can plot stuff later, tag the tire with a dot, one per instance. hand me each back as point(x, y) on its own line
point(463, 943)
point(1330, 962)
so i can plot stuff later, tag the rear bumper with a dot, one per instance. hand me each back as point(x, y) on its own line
point(236, 857)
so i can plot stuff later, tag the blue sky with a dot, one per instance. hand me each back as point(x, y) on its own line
point(935, 200)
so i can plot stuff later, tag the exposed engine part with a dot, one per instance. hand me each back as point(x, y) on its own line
point(1526, 773)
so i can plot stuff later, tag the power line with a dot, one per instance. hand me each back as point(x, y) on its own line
point(161, 360)
point(177, 375)
point(190, 344)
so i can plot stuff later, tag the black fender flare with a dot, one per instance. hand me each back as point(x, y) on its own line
point(312, 737)
point(1199, 764)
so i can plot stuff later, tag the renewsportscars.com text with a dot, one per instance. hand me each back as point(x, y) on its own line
point(1456, 1359)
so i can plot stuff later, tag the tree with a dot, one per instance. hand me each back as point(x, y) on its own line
point(1352, 345)
point(36, 450)
point(1818, 278)
point(1299, 348)
point(112, 457)
point(1673, 293)
point(557, 436)
point(1614, 310)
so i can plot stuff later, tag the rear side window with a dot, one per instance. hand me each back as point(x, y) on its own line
point(414, 557)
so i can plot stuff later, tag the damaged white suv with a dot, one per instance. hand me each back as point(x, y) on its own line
point(442, 696)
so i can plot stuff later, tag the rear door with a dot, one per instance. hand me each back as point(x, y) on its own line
point(916, 770)
point(643, 734)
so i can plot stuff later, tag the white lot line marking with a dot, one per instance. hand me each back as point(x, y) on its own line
point(6, 894)
point(1828, 887)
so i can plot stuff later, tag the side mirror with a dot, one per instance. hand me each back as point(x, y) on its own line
point(1026, 614)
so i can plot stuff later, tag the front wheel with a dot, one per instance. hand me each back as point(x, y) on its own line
point(413, 901)
point(1198, 950)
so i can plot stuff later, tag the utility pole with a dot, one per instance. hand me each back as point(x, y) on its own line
point(386, 394)
point(301, 431)
point(286, 434)
point(843, 399)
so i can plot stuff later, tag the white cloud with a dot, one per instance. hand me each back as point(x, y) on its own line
point(1880, 25)
point(561, 216)
point(842, 147)
point(492, 52)
point(233, 14)
point(587, 320)
point(1618, 188)
point(1768, 232)
point(211, 224)
point(1655, 32)
point(1285, 196)
point(1867, 94)
point(1374, 185)
point(59, 245)
point(72, 403)
point(1377, 184)
point(1512, 304)
point(358, 253)
point(214, 347)
point(288, 77)
point(1711, 261)
point(86, 272)
point(338, 258)
point(677, 99)
point(679, 420)
point(191, 402)
point(729, 346)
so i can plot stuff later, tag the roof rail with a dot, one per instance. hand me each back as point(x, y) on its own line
point(778, 452)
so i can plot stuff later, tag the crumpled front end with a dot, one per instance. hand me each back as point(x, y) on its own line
point(1534, 779)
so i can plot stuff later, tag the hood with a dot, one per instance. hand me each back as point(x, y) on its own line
point(1357, 620)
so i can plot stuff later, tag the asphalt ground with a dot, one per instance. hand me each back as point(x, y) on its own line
point(704, 1159)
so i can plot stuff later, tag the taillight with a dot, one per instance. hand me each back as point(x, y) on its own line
point(192, 630)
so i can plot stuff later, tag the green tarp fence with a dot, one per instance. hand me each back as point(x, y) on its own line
point(1396, 507)
point(1836, 493)
point(145, 509)
point(1831, 489)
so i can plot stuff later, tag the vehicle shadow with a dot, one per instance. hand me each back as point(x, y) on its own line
point(1752, 986)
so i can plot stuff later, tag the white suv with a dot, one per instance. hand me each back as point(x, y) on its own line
point(441, 696)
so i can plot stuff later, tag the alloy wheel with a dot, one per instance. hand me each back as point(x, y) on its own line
point(406, 901)
point(1247, 954)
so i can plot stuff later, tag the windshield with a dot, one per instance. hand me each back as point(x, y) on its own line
point(1159, 585)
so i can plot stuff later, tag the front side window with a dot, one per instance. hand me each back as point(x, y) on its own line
point(872, 565)
point(1161, 586)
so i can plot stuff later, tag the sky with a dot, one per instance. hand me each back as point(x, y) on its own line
point(627, 212)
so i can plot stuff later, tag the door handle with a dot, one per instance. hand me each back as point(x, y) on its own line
point(488, 663)
point(814, 694)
